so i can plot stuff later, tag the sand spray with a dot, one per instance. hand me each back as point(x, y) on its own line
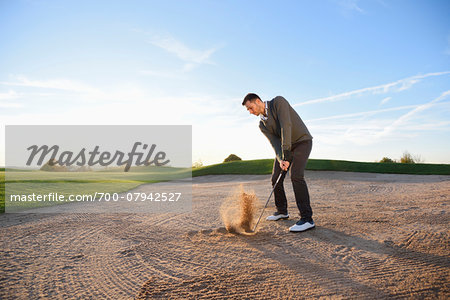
point(238, 211)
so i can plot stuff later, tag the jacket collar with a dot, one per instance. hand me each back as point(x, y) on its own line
point(266, 111)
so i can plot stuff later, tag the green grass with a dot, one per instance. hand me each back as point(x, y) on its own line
point(388, 168)
point(264, 166)
point(259, 166)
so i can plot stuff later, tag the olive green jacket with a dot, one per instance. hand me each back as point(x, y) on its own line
point(283, 126)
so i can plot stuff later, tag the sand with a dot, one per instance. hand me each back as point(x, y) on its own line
point(377, 236)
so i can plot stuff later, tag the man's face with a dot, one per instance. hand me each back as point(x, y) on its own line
point(255, 107)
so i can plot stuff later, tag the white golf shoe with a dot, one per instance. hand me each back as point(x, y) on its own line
point(277, 216)
point(302, 225)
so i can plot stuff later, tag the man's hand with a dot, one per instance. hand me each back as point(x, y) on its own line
point(284, 165)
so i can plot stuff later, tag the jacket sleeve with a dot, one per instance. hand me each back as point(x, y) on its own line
point(284, 117)
point(274, 141)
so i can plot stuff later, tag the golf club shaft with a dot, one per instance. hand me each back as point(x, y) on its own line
point(267, 202)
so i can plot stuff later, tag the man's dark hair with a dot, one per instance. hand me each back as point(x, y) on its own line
point(250, 97)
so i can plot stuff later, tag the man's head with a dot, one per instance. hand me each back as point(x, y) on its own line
point(253, 104)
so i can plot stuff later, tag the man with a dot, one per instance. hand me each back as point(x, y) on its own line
point(292, 143)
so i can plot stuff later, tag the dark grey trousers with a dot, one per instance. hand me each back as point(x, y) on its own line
point(300, 152)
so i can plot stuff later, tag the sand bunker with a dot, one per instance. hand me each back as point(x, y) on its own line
point(238, 211)
point(357, 252)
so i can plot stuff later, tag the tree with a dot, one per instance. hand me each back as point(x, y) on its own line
point(232, 157)
point(53, 166)
point(407, 158)
point(386, 160)
point(197, 164)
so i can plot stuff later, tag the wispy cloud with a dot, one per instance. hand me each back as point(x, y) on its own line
point(191, 57)
point(434, 126)
point(182, 51)
point(363, 113)
point(58, 84)
point(350, 5)
point(385, 100)
point(9, 95)
point(5, 100)
point(371, 127)
point(14, 99)
point(404, 118)
point(396, 86)
point(70, 91)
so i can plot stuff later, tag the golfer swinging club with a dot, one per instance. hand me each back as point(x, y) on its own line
point(292, 143)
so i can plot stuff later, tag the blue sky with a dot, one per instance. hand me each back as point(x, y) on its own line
point(369, 78)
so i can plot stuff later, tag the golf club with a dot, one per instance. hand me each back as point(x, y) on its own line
point(267, 202)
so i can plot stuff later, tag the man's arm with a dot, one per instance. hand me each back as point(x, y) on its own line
point(274, 141)
point(284, 117)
